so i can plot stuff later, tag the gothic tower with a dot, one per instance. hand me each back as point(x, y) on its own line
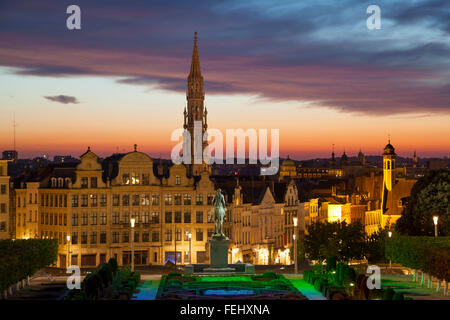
point(196, 113)
point(333, 159)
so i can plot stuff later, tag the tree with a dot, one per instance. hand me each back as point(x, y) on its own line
point(339, 239)
point(430, 196)
point(375, 246)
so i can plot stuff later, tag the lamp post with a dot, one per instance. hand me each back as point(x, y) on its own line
point(295, 244)
point(68, 250)
point(175, 239)
point(190, 247)
point(132, 221)
point(435, 220)
point(390, 261)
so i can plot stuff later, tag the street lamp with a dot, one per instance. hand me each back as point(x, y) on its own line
point(390, 261)
point(190, 247)
point(295, 244)
point(68, 250)
point(132, 221)
point(435, 220)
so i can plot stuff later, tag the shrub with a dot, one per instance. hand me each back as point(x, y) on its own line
point(349, 275)
point(398, 296)
point(388, 294)
point(270, 275)
point(113, 263)
point(174, 283)
point(331, 263)
point(174, 275)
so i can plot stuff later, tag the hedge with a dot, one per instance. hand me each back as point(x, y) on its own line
point(429, 254)
point(22, 258)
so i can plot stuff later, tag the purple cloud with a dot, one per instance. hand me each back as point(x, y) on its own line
point(62, 99)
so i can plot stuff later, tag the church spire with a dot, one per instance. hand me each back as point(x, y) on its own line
point(195, 63)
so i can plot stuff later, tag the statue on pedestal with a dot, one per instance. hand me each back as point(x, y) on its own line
point(220, 214)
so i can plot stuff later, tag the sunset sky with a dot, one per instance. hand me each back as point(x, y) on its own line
point(311, 69)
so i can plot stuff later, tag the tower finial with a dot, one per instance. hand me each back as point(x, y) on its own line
point(195, 36)
point(135, 147)
point(389, 138)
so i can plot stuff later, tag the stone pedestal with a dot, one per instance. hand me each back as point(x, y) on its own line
point(218, 251)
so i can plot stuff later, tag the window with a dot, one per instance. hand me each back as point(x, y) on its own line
point(102, 236)
point(135, 199)
point(135, 178)
point(155, 199)
point(84, 182)
point(135, 215)
point(103, 200)
point(145, 199)
point(187, 217)
point(199, 235)
point(177, 216)
point(210, 199)
point(93, 200)
point(210, 233)
point(187, 198)
point(74, 201)
point(145, 179)
point(168, 217)
point(186, 234)
point(177, 180)
point(167, 199)
point(155, 217)
point(103, 218)
point(146, 217)
point(125, 218)
point(125, 237)
point(136, 236)
point(199, 217)
point(93, 237)
point(125, 200)
point(145, 236)
point(210, 216)
point(84, 200)
point(115, 218)
point(177, 234)
point(65, 200)
point(93, 182)
point(126, 178)
point(116, 200)
point(84, 219)
point(155, 236)
point(3, 208)
point(199, 199)
point(3, 189)
point(93, 218)
point(84, 237)
point(115, 237)
point(42, 218)
point(74, 237)
point(177, 198)
point(168, 235)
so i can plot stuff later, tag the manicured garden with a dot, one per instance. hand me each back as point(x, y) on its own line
point(339, 281)
point(266, 286)
point(108, 282)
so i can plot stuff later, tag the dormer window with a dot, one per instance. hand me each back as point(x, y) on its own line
point(177, 180)
point(135, 178)
point(60, 182)
point(93, 182)
point(53, 180)
point(126, 178)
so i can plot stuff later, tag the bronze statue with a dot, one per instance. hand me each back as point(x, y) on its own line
point(220, 213)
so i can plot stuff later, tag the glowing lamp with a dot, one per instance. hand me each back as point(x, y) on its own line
point(295, 221)
point(132, 221)
point(435, 220)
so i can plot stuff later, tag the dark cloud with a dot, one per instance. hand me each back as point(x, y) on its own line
point(282, 50)
point(62, 99)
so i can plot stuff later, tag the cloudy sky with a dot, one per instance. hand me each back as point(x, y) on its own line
point(309, 68)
